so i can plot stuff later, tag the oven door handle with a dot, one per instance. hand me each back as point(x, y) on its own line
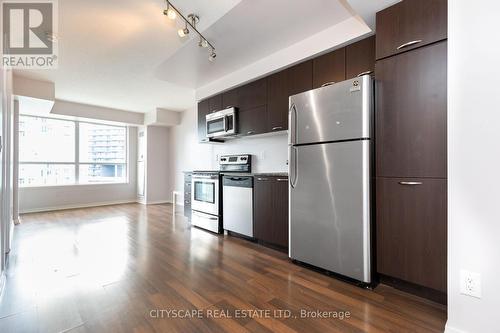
point(204, 177)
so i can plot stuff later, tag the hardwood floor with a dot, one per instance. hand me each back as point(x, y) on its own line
point(114, 268)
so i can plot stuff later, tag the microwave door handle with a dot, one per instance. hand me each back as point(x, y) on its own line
point(226, 120)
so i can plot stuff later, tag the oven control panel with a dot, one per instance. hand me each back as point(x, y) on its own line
point(234, 159)
point(236, 163)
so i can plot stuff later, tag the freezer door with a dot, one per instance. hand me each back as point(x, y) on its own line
point(341, 111)
point(330, 207)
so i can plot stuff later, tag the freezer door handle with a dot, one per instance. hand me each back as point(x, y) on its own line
point(292, 115)
point(293, 166)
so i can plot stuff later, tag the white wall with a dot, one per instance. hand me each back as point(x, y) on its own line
point(33, 88)
point(58, 197)
point(85, 111)
point(473, 162)
point(157, 160)
point(187, 154)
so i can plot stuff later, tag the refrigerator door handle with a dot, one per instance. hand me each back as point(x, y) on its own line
point(293, 164)
point(292, 115)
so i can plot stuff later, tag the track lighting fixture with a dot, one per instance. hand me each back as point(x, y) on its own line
point(171, 12)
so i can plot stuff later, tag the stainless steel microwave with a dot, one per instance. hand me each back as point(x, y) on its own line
point(222, 123)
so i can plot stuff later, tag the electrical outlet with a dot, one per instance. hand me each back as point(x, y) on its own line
point(470, 283)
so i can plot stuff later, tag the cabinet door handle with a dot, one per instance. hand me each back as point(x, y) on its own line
point(282, 179)
point(327, 84)
point(413, 42)
point(263, 179)
point(277, 128)
point(410, 183)
point(364, 73)
point(250, 132)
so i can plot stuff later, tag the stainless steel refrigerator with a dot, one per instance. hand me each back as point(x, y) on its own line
point(330, 139)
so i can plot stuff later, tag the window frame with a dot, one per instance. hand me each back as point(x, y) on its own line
point(76, 163)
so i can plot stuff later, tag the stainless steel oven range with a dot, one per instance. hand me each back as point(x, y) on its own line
point(206, 192)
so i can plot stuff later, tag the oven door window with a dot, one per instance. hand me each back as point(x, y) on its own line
point(215, 126)
point(204, 191)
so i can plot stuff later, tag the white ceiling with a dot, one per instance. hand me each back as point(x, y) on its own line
point(126, 54)
point(252, 30)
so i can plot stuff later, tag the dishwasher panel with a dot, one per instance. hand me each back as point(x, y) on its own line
point(237, 199)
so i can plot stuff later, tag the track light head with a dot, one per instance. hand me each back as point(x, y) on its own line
point(170, 12)
point(183, 32)
point(212, 55)
point(203, 43)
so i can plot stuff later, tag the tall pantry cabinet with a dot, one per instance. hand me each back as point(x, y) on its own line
point(411, 164)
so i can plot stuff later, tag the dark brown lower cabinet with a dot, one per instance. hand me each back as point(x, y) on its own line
point(271, 210)
point(411, 230)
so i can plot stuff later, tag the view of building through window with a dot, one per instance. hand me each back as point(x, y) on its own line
point(51, 152)
point(102, 153)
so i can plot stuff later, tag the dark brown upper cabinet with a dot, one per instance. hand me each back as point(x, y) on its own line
point(411, 113)
point(411, 230)
point(329, 68)
point(252, 94)
point(271, 210)
point(410, 24)
point(252, 121)
point(203, 110)
point(299, 78)
point(360, 57)
point(215, 103)
point(248, 96)
point(280, 86)
point(230, 98)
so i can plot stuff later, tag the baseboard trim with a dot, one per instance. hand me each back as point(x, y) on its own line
point(76, 206)
point(449, 329)
point(436, 296)
point(158, 202)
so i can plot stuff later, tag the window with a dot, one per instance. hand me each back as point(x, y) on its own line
point(103, 153)
point(66, 152)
